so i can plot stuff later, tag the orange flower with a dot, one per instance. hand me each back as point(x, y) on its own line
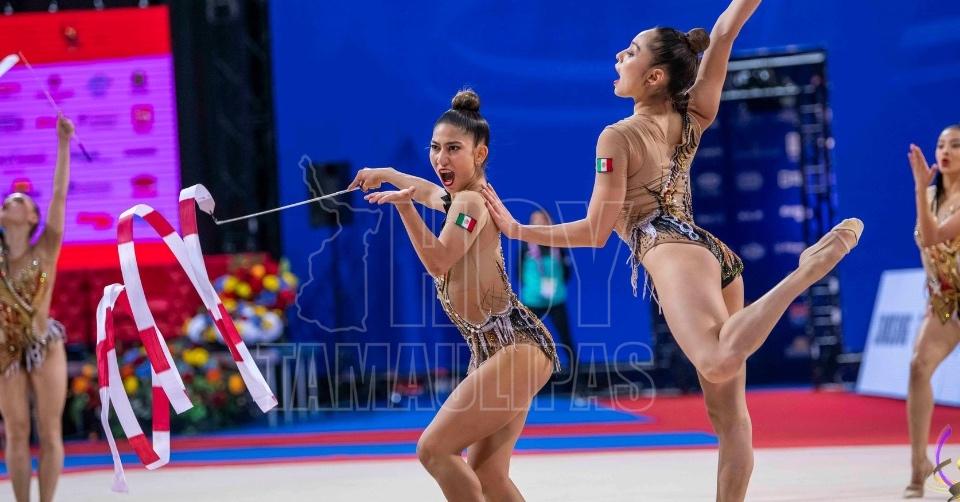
point(235, 384)
point(79, 385)
point(214, 375)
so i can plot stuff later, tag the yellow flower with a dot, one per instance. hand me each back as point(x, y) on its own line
point(230, 304)
point(271, 283)
point(290, 279)
point(196, 357)
point(258, 271)
point(260, 310)
point(244, 290)
point(235, 384)
point(229, 284)
point(131, 384)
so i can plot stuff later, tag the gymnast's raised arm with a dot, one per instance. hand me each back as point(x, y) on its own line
point(705, 93)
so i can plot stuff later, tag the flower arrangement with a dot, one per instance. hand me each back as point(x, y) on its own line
point(256, 296)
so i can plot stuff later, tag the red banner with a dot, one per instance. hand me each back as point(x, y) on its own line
point(81, 35)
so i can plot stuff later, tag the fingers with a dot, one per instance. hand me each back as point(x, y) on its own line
point(917, 162)
point(359, 180)
point(356, 179)
point(491, 198)
point(489, 192)
point(391, 197)
point(922, 158)
point(914, 155)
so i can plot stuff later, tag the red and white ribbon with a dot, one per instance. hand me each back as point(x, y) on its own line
point(168, 388)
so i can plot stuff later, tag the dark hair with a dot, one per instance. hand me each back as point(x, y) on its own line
point(679, 53)
point(464, 113)
point(938, 178)
point(36, 210)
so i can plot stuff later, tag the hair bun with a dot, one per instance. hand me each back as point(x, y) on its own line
point(466, 101)
point(698, 39)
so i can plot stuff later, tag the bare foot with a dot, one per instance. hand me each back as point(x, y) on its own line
point(820, 258)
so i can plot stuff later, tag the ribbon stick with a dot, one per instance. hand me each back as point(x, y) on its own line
point(281, 208)
point(53, 104)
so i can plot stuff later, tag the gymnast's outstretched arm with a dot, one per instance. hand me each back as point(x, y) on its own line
point(705, 93)
point(606, 202)
point(52, 236)
point(425, 193)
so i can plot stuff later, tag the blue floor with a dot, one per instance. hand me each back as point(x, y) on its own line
point(559, 411)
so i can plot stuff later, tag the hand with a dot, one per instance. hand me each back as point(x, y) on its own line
point(370, 178)
point(922, 173)
point(64, 128)
point(395, 197)
point(503, 219)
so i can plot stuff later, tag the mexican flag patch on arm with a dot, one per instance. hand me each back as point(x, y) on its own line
point(604, 165)
point(465, 221)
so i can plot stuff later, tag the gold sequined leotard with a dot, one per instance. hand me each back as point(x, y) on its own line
point(658, 205)
point(476, 295)
point(21, 343)
point(940, 265)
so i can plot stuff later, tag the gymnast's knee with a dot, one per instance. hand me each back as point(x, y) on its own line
point(430, 452)
point(717, 368)
point(17, 434)
point(728, 418)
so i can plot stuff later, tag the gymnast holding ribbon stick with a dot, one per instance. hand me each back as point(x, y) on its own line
point(32, 356)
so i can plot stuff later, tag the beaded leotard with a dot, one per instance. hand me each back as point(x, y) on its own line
point(500, 320)
point(940, 262)
point(21, 345)
point(658, 206)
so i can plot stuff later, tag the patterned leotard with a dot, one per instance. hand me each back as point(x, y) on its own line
point(658, 206)
point(940, 262)
point(477, 296)
point(22, 342)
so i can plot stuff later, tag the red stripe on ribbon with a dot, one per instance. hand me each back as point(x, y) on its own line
point(110, 340)
point(143, 449)
point(102, 369)
point(161, 410)
point(229, 332)
point(188, 217)
point(150, 338)
point(159, 223)
point(125, 230)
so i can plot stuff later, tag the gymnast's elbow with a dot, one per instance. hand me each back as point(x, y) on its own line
point(437, 267)
point(599, 240)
